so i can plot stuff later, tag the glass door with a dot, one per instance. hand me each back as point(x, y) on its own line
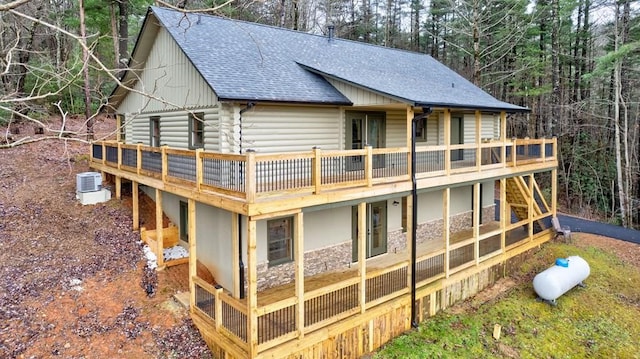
point(365, 129)
point(376, 227)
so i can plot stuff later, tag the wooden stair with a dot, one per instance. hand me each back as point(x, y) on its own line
point(518, 196)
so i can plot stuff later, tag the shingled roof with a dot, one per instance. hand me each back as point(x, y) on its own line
point(244, 61)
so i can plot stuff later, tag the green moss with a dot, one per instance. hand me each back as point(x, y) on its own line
point(601, 320)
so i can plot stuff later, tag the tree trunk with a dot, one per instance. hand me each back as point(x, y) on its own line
point(85, 71)
point(556, 106)
point(123, 33)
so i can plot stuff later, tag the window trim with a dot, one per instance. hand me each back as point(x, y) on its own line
point(288, 239)
point(196, 125)
point(154, 124)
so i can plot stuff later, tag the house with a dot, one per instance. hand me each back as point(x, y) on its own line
point(338, 192)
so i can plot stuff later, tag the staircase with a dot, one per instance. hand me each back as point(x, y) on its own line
point(518, 197)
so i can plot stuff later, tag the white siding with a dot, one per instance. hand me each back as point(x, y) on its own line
point(396, 128)
point(174, 129)
point(360, 96)
point(168, 75)
point(288, 128)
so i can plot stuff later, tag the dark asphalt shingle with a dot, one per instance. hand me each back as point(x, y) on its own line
point(247, 61)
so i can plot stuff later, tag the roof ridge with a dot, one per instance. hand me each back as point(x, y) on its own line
point(274, 27)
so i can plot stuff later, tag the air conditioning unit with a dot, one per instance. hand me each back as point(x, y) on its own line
point(88, 182)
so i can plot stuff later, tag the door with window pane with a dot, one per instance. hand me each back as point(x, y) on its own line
point(365, 129)
point(376, 227)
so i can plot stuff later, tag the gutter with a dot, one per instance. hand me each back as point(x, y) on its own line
point(426, 111)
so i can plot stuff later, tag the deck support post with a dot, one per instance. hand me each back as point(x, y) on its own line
point(554, 191)
point(252, 292)
point(118, 187)
point(477, 207)
point(446, 196)
point(235, 256)
point(362, 253)
point(159, 229)
point(135, 195)
point(409, 234)
point(530, 208)
point(504, 220)
point(193, 256)
point(298, 249)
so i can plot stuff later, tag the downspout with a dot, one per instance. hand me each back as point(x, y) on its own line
point(249, 106)
point(426, 111)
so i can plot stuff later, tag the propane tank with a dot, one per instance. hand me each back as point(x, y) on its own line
point(559, 279)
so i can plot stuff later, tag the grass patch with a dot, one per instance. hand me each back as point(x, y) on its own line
point(599, 321)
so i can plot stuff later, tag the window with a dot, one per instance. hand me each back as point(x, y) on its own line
point(421, 130)
point(184, 221)
point(196, 130)
point(121, 128)
point(154, 131)
point(280, 240)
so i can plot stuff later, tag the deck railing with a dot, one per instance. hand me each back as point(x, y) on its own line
point(279, 321)
point(252, 175)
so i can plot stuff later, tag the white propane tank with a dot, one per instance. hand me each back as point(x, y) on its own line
point(559, 279)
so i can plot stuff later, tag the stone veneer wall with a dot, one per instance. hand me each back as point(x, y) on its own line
point(339, 256)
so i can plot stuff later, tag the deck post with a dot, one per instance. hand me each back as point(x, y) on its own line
point(316, 175)
point(138, 158)
point(530, 208)
point(409, 233)
point(362, 253)
point(447, 142)
point(503, 138)
point(235, 248)
point(503, 214)
point(135, 195)
point(165, 164)
point(554, 191)
point(250, 176)
point(478, 140)
point(199, 168)
point(368, 165)
point(252, 292)
point(159, 229)
point(477, 207)
point(193, 256)
point(446, 196)
point(118, 187)
point(119, 155)
point(298, 249)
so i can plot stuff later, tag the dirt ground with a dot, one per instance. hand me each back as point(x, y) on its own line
point(72, 277)
point(73, 282)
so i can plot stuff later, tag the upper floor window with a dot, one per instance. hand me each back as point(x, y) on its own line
point(154, 131)
point(421, 130)
point(196, 130)
point(280, 240)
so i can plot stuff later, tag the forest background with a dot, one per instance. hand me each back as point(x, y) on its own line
point(574, 63)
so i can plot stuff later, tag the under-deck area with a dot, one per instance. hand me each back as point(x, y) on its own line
point(340, 294)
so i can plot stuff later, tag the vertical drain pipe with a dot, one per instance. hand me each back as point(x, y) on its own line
point(249, 106)
point(414, 213)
